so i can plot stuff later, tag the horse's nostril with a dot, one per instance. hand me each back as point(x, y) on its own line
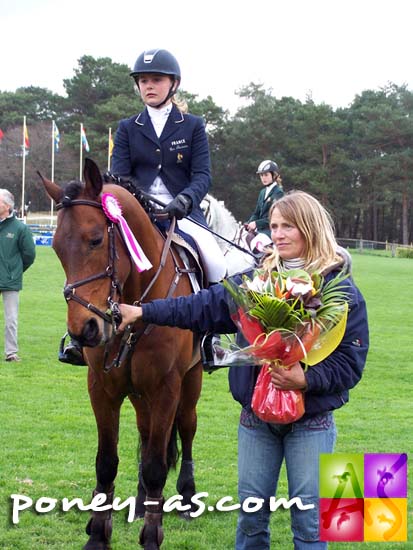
point(90, 333)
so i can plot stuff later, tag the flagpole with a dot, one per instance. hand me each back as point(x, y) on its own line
point(81, 147)
point(52, 176)
point(24, 164)
point(109, 147)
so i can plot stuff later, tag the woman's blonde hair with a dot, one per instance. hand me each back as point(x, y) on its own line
point(315, 224)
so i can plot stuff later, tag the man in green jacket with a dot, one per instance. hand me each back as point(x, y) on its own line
point(17, 253)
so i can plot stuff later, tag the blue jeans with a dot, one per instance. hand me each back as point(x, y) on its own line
point(262, 448)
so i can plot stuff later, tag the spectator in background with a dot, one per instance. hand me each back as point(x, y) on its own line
point(17, 253)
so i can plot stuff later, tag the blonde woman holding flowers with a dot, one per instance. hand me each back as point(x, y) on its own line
point(303, 237)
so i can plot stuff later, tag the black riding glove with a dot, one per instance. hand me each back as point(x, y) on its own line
point(179, 207)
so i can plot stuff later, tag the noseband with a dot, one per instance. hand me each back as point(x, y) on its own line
point(69, 290)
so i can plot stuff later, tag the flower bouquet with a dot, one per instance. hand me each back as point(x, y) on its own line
point(285, 317)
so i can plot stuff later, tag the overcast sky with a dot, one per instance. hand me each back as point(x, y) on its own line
point(330, 49)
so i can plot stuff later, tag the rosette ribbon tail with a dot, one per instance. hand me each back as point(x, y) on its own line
point(113, 210)
point(135, 250)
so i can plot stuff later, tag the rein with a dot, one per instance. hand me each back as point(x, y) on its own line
point(151, 198)
point(145, 199)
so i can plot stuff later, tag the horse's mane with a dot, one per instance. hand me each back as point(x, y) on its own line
point(223, 222)
point(217, 214)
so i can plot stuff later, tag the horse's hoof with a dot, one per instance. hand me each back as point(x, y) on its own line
point(186, 515)
point(151, 537)
point(96, 545)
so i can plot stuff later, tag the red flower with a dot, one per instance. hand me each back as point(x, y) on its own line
point(250, 326)
point(270, 345)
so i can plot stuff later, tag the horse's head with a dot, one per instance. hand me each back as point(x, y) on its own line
point(206, 208)
point(93, 257)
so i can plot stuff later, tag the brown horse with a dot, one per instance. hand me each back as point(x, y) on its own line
point(157, 368)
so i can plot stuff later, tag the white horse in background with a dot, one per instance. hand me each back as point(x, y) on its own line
point(222, 222)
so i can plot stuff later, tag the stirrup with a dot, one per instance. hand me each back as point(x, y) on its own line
point(212, 352)
point(72, 353)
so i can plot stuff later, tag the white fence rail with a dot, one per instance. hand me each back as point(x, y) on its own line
point(364, 245)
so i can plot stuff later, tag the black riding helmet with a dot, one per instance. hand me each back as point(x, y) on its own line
point(158, 62)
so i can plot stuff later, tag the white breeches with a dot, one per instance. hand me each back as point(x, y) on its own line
point(213, 260)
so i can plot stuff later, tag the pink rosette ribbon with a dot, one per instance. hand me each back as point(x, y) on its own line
point(113, 211)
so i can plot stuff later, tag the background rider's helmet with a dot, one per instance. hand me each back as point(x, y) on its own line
point(157, 61)
point(268, 166)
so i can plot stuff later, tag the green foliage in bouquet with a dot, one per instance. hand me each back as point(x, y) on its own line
point(287, 300)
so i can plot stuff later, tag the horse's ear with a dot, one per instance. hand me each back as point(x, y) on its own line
point(52, 189)
point(93, 178)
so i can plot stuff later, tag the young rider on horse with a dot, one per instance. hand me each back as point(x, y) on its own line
point(165, 151)
point(257, 225)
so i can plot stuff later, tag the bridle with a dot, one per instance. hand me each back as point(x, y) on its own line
point(111, 315)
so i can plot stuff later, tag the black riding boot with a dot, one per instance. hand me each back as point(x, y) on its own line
point(72, 353)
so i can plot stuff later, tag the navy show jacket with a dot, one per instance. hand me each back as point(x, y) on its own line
point(180, 156)
point(328, 382)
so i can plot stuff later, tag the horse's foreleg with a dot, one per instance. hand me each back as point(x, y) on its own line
point(153, 471)
point(187, 424)
point(158, 452)
point(99, 527)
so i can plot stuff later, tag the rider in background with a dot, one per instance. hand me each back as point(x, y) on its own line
point(257, 225)
point(165, 149)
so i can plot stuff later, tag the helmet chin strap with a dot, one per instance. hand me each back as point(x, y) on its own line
point(171, 93)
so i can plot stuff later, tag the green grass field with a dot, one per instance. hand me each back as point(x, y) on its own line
point(48, 434)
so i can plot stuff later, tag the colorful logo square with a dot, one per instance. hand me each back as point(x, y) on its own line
point(385, 475)
point(385, 519)
point(341, 475)
point(342, 519)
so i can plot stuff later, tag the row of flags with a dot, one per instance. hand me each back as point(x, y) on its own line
point(56, 138)
point(84, 145)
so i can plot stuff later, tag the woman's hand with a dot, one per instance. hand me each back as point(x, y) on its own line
point(130, 314)
point(252, 226)
point(291, 378)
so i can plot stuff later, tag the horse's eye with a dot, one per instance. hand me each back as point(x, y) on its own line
point(94, 243)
